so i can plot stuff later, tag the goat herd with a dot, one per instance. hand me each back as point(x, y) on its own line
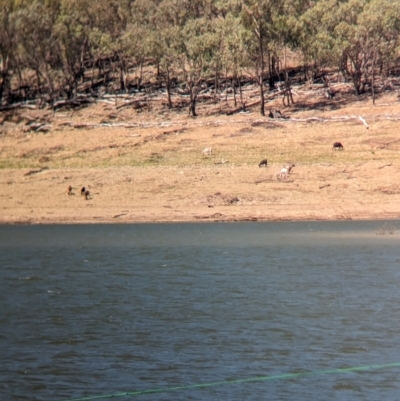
point(284, 172)
point(84, 192)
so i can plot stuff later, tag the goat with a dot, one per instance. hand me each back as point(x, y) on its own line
point(284, 172)
point(329, 93)
point(70, 190)
point(87, 195)
point(275, 113)
point(337, 146)
point(207, 152)
point(83, 191)
point(263, 163)
point(289, 167)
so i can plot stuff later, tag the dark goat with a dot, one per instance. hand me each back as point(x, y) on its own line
point(263, 163)
point(87, 195)
point(275, 113)
point(329, 93)
point(337, 146)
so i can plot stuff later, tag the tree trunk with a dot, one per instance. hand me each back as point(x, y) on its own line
point(241, 94)
point(193, 98)
point(140, 74)
point(92, 73)
point(122, 77)
point(234, 90)
point(261, 81)
point(39, 86)
point(373, 80)
point(226, 86)
point(168, 87)
point(216, 84)
point(356, 82)
point(3, 84)
point(271, 71)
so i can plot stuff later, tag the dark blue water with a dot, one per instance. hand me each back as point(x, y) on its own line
point(97, 310)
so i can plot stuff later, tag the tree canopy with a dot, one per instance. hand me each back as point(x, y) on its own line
point(48, 48)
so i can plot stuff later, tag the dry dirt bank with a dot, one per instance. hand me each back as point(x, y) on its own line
point(148, 166)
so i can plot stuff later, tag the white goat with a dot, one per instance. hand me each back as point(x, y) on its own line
point(289, 167)
point(284, 172)
point(207, 152)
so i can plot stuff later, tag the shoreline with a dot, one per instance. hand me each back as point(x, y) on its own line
point(378, 217)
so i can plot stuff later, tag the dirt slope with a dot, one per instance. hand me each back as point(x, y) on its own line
point(147, 165)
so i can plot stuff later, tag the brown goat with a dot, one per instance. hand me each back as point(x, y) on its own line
point(263, 163)
point(337, 146)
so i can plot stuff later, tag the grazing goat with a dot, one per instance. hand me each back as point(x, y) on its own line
point(207, 152)
point(263, 163)
point(70, 190)
point(337, 146)
point(83, 191)
point(87, 195)
point(284, 172)
point(289, 167)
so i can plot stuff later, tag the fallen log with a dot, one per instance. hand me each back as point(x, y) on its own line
point(31, 172)
point(324, 186)
point(76, 102)
point(137, 104)
point(34, 126)
point(386, 165)
point(44, 128)
point(21, 105)
point(385, 144)
point(363, 121)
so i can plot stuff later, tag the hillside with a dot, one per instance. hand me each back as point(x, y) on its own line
point(146, 164)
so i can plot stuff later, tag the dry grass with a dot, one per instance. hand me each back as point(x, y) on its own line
point(155, 171)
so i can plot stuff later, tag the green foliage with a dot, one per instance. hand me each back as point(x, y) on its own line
point(193, 39)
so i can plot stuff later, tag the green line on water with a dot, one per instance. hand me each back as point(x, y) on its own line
point(238, 381)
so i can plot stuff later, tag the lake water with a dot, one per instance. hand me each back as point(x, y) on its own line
point(238, 311)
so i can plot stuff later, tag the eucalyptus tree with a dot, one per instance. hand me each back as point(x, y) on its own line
point(164, 52)
point(285, 36)
point(317, 42)
point(8, 44)
point(140, 39)
point(72, 32)
point(280, 40)
point(186, 44)
point(354, 35)
point(216, 43)
point(38, 46)
point(168, 61)
point(258, 18)
point(195, 55)
point(379, 39)
point(233, 54)
point(350, 43)
point(108, 21)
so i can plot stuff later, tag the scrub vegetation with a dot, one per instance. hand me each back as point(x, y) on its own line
point(65, 53)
